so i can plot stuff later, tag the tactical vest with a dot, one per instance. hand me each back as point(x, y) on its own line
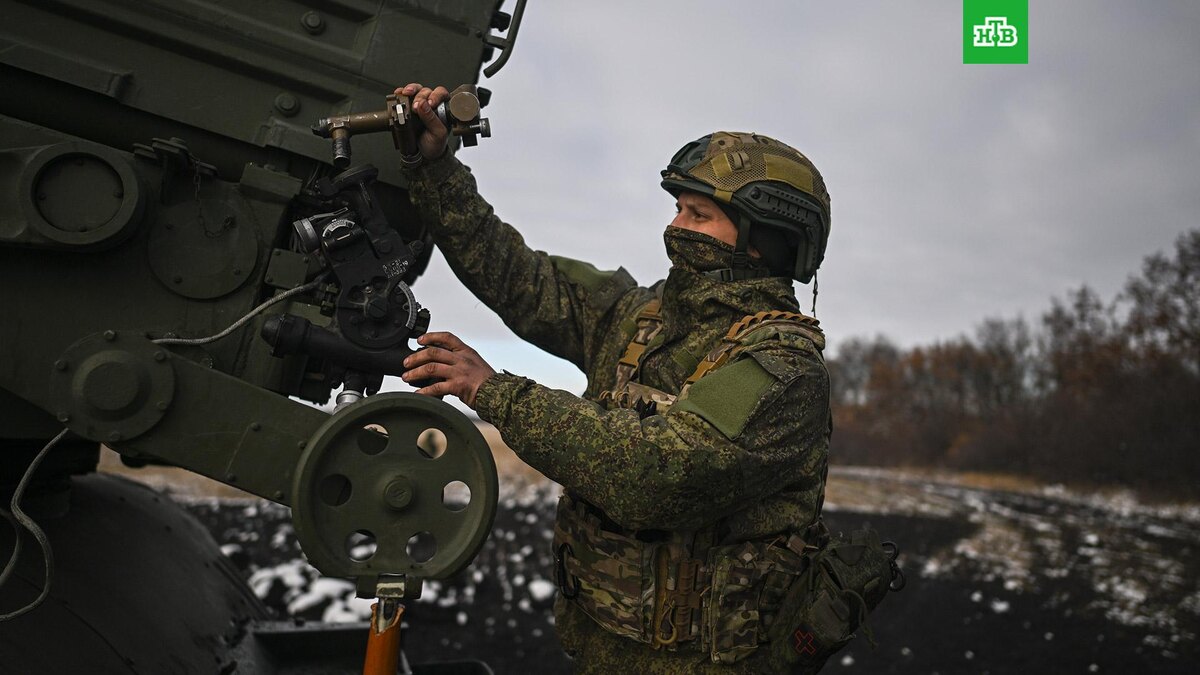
point(673, 589)
point(647, 400)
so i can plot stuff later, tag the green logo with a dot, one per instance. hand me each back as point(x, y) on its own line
point(995, 31)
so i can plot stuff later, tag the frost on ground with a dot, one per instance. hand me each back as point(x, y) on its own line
point(1136, 561)
point(504, 598)
point(1043, 580)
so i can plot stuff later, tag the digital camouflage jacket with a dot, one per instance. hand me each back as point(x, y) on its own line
point(748, 450)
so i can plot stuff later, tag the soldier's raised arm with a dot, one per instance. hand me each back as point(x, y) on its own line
point(555, 303)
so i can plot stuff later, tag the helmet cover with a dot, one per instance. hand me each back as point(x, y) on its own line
point(773, 189)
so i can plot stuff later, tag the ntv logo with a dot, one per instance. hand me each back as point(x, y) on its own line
point(995, 31)
point(988, 24)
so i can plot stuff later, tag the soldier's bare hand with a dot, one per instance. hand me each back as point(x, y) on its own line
point(459, 369)
point(425, 101)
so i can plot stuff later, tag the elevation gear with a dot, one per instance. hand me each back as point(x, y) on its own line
point(771, 191)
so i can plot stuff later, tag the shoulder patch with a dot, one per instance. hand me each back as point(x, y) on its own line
point(727, 396)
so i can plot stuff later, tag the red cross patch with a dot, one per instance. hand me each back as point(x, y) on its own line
point(805, 642)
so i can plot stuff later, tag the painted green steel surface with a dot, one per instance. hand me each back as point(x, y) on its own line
point(153, 155)
point(373, 448)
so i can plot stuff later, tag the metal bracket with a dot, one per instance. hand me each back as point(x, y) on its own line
point(506, 42)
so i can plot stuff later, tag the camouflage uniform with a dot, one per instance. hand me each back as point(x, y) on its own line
point(745, 450)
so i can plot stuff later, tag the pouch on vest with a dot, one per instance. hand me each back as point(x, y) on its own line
point(612, 571)
point(842, 582)
point(749, 584)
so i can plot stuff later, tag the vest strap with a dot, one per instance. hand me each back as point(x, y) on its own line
point(649, 324)
point(740, 331)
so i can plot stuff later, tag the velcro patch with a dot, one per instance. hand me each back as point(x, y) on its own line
point(789, 171)
point(727, 397)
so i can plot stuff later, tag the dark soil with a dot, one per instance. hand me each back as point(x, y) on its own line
point(998, 582)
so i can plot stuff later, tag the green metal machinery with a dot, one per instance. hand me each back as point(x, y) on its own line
point(188, 251)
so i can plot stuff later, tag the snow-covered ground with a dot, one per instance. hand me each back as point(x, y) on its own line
point(1086, 557)
point(1041, 579)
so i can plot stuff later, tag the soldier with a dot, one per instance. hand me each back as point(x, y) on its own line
point(694, 464)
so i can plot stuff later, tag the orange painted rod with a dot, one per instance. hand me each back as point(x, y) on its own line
point(383, 642)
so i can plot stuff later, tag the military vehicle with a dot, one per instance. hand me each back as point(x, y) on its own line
point(190, 250)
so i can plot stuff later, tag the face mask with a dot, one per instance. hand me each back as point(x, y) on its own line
point(695, 251)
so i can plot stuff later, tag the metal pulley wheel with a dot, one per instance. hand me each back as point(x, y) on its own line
point(397, 484)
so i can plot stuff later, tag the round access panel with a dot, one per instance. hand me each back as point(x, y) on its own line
point(81, 195)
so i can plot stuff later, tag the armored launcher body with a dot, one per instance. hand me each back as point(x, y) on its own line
point(154, 156)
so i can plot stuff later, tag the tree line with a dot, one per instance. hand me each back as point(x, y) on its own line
point(1092, 392)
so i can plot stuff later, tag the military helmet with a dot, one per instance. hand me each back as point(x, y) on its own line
point(771, 191)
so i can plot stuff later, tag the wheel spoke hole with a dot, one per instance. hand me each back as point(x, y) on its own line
point(432, 443)
point(372, 439)
point(361, 545)
point(421, 547)
point(334, 489)
point(456, 495)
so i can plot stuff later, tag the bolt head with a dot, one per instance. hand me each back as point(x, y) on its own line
point(399, 493)
point(61, 364)
point(313, 22)
point(110, 335)
point(287, 103)
point(114, 436)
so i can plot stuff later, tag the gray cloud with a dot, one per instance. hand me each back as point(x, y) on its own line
point(959, 191)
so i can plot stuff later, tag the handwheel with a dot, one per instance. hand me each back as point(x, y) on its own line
point(396, 484)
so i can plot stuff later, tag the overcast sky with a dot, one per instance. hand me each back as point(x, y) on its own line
point(959, 191)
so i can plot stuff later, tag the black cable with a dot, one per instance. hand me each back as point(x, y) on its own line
point(27, 522)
